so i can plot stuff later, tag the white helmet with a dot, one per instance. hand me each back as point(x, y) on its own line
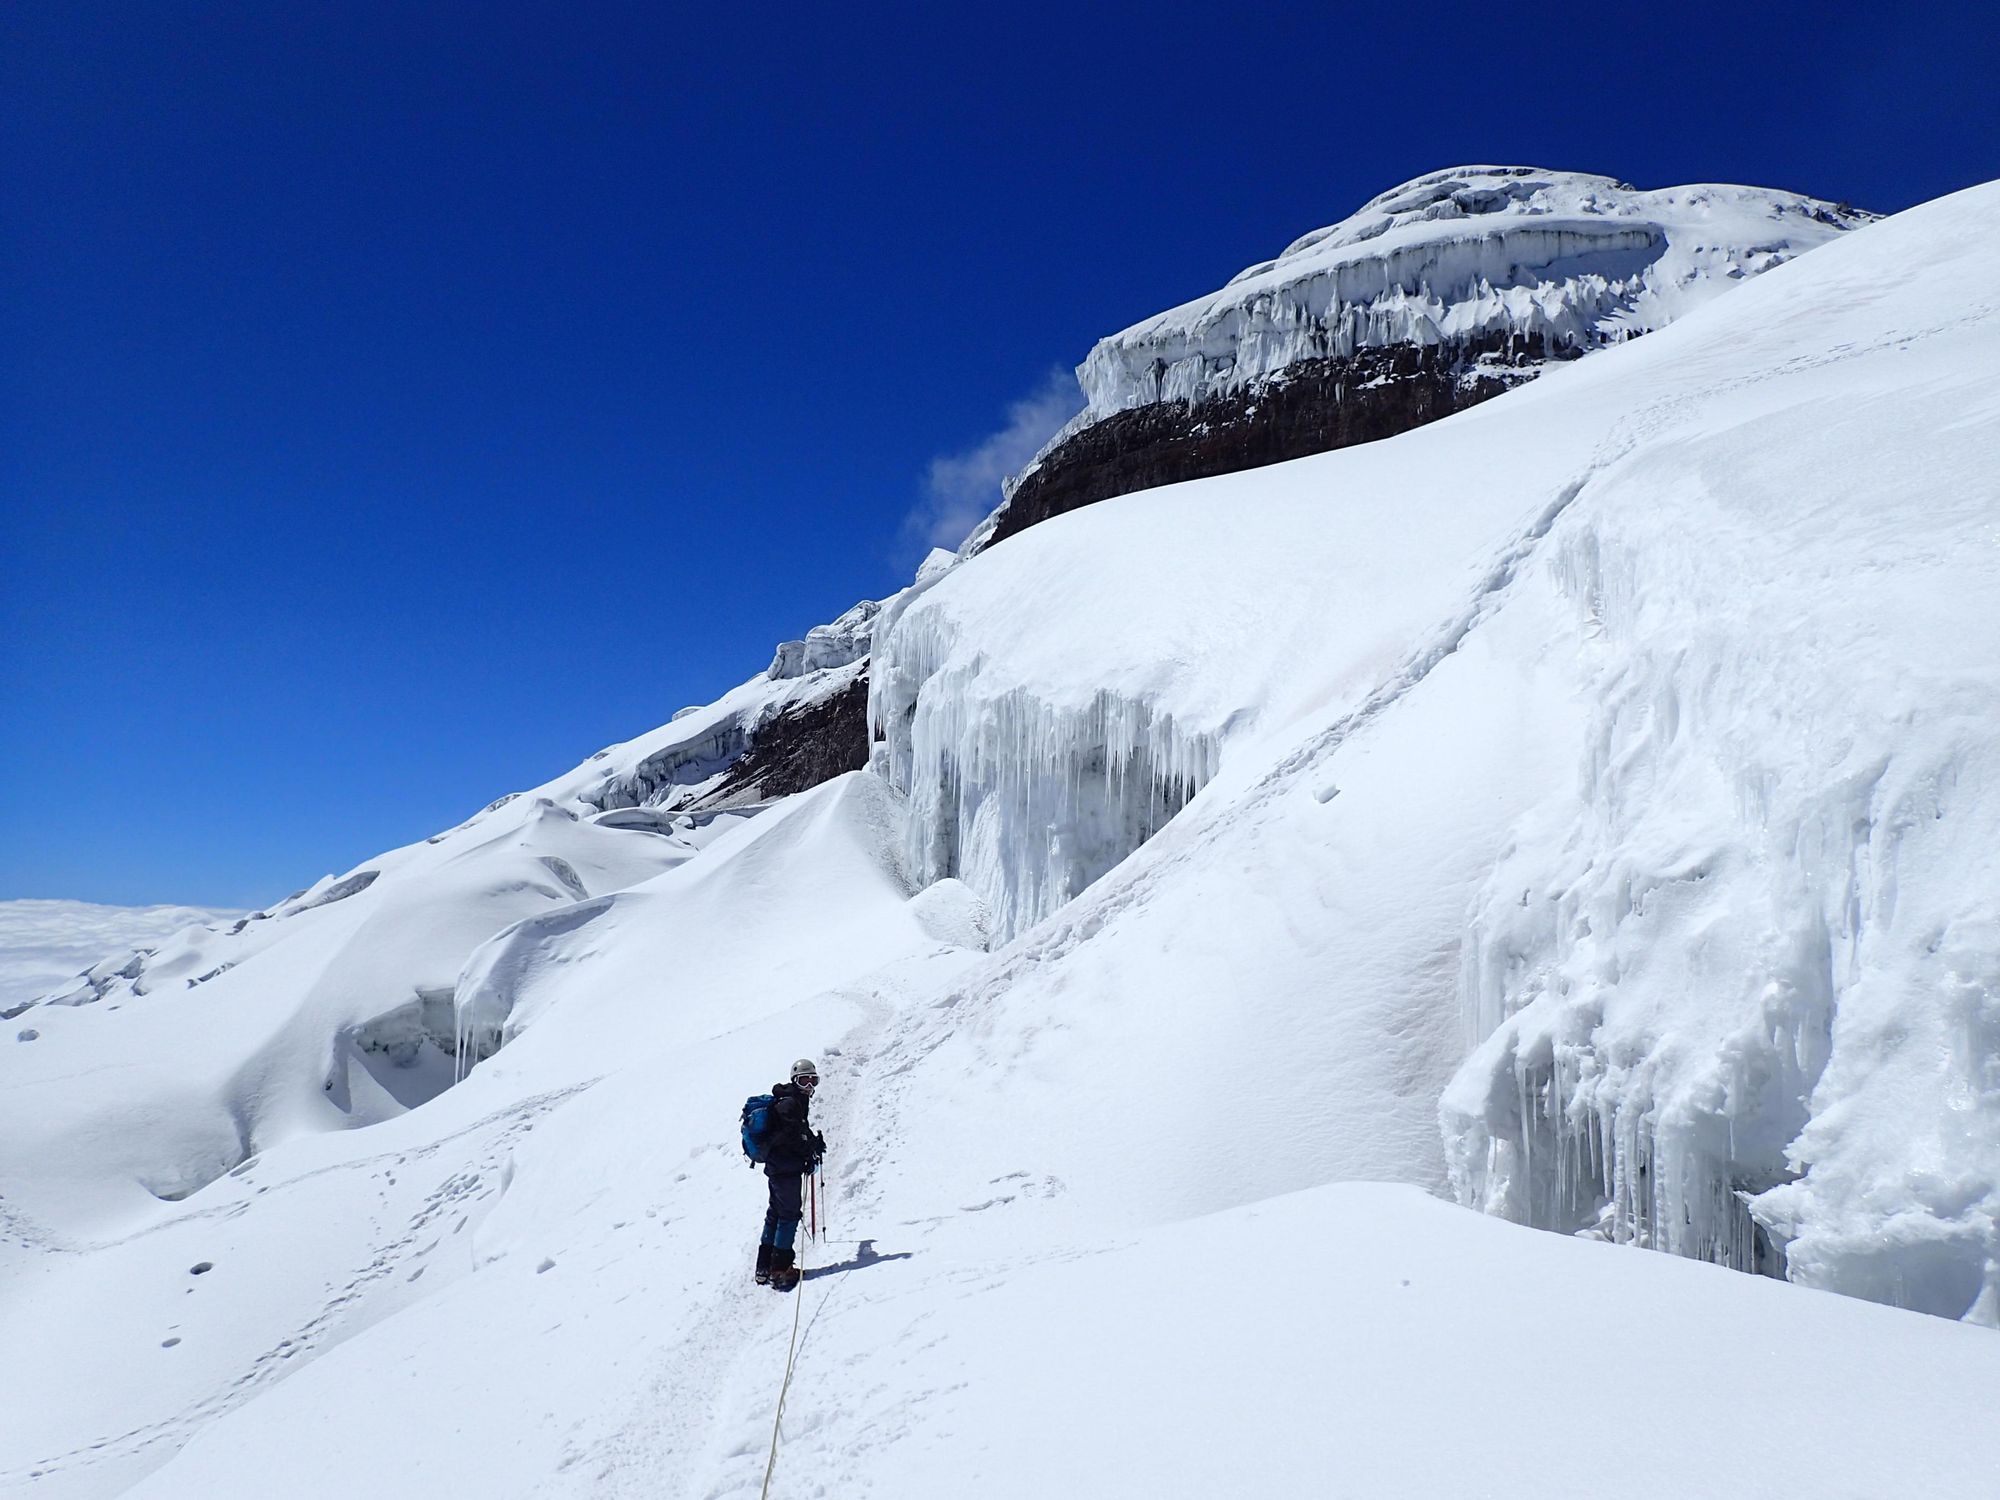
point(805, 1068)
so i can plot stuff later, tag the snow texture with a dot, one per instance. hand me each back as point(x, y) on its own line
point(1585, 806)
point(1574, 259)
point(333, 1009)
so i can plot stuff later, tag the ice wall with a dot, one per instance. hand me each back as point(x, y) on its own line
point(1737, 995)
point(719, 752)
point(1572, 260)
point(1025, 796)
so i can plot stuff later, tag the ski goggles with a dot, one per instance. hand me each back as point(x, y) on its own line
point(806, 1080)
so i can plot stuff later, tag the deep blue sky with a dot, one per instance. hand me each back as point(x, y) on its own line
point(402, 401)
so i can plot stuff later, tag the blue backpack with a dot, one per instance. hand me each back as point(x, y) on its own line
point(757, 1122)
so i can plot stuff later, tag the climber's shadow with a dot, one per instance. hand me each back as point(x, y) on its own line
point(865, 1255)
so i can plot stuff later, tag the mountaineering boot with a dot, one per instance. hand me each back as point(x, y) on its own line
point(763, 1265)
point(784, 1275)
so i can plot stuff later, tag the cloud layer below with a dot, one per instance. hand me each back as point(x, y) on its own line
point(45, 944)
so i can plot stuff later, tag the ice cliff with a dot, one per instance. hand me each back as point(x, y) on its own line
point(1437, 294)
point(1571, 260)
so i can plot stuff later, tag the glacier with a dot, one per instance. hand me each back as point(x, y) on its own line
point(1432, 297)
point(1752, 543)
point(1567, 259)
point(1270, 904)
point(334, 1008)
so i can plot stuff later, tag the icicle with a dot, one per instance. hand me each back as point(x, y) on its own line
point(1026, 801)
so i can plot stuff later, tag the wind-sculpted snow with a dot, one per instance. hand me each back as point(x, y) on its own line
point(814, 887)
point(332, 1009)
point(322, 1013)
point(634, 1016)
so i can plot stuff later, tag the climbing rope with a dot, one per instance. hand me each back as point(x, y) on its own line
point(791, 1359)
point(792, 1353)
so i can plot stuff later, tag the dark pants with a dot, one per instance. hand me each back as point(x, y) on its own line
point(781, 1219)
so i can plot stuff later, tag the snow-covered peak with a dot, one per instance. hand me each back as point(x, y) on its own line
point(1494, 194)
point(1569, 257)
point(1432, 297)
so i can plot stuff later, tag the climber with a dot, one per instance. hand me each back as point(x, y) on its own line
point(779, 1134)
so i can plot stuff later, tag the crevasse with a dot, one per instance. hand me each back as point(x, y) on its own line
point(1025, 799)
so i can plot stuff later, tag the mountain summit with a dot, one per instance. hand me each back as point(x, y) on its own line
point(1434, 296)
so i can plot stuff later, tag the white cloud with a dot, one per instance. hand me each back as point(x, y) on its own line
point(45, 944)
point(960, 488)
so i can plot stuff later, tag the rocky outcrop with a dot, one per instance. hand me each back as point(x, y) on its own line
point(798, 748)
point(1312, 407)
point(803, 721)
point(1435, 296)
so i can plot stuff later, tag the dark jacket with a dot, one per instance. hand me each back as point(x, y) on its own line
point(795, 1146)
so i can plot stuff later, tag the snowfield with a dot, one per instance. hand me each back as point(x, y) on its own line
point(1586, 808)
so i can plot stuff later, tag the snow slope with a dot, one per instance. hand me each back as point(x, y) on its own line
point(333, 1008)
point(1682, 709)
point(120, 1349)
point(46, 944)
point(1353, 1340)
point(1603, 766)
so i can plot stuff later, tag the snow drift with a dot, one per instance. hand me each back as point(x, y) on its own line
point(45, 945)
point(334, 1008)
